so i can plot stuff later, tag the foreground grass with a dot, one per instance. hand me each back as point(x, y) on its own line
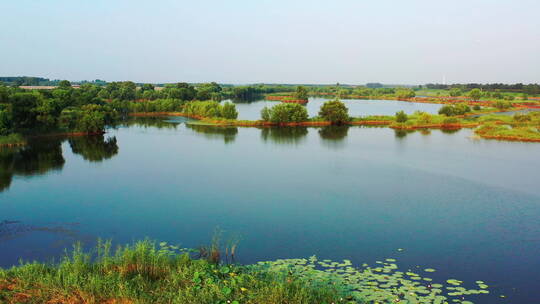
point(145, 273)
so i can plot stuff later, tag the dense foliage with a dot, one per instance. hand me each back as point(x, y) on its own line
point(402, 117)
point(211, 109)
point(518, 87)
point(301, 93)
point(285, 113)
point(452, 110)
point(334, 111)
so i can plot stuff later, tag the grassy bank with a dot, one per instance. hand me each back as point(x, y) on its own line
point(146, 272)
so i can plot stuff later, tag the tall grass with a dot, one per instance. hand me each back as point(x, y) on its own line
point(146, 273)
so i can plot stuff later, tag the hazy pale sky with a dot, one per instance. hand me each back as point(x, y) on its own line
point(272, 41)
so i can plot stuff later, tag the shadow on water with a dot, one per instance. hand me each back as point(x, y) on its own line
point(284, 135)
point(41, 156)
point(333, 136)
point(94, 148)
point(36, 158)
point(154, 122)
point(228, 134)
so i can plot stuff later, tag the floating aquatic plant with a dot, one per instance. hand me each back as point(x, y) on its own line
point(383, 283)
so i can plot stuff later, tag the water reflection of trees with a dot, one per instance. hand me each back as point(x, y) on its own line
point(402, 133)
point(228, 134)
point(156, 122)
point(284, 135)
point(36, 158)
point(333, 136)
point(94, 148)
point(41, 156)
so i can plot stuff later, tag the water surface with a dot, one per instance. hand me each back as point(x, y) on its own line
point(466, 207)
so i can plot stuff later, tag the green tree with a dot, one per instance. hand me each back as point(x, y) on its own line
point(228, 110)
point(475, 94)
point(23, 109)
point(401, 117)
point(64, 84)
point(502, 104)
point(455, 92)
point(287, 113)
point(301, 93)
point(6, 120)
point(334, 111)
point(405, 93)
point(265, 114)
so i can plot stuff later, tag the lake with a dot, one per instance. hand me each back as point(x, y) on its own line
point(469, 208)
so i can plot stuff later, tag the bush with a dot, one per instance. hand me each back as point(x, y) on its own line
point(265, 114)
point(334, 111)
point(475, 94)
point(88, 118)
point(502, 104)
point(425, 117)
point(405, 93)
point(477, 108)
point(211, 109)
point(450, 120)
point(522, 117)
point(228, 110)
point(401, 117)
point(286, 112)
point(6, 120)
point(452, 110)
point(455, 92)
point(301, 93)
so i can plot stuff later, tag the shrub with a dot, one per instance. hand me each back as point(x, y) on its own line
point(452, 110)
point(405, 93)
point(211, 109)
point(334, 111)
point(401, 117)
point(522, 117)
point(287, 112)
point(475, 94)
point(301, 93)
point(450, 120)
point(477, 108)
point(265, 114)
point(425, 117)
point(502, 104)
point(455, 92)
point(228, 111)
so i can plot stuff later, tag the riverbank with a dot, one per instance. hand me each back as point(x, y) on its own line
point(147, 272)
point(414, 122)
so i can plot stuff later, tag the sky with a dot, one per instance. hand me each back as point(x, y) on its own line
point(272, 41)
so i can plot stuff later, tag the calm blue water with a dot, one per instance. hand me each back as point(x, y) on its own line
point(466, 207)
point(357, 107)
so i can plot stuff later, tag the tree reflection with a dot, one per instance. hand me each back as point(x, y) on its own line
point(284, 135)
point(156, 122)
point(399, 133)
point(94, 148)
point(333, 136)
point(36, 158)
point(41, 156)
point(228, 134)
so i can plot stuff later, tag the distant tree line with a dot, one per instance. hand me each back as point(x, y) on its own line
point(531, 89)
